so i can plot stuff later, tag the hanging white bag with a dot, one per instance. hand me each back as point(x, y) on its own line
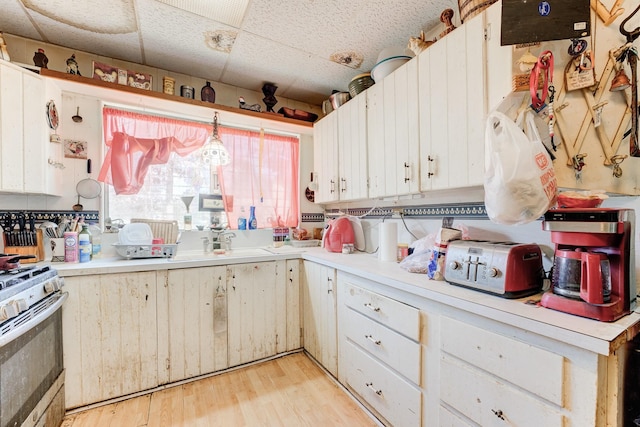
point(519, 182)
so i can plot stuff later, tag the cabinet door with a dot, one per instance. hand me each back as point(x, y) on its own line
point(35, 134)
point(352, 148)
point(375, 140)
point(475, 100)
point(499, 75)
point(436, 140)
point(406, 139)
point(453, 109)
point(293, 306)
point(319, 306)
point(11, 129)
point(401, 131)
point(194, 313)
point(253, 311)
point(325, 158)
point(110, 340)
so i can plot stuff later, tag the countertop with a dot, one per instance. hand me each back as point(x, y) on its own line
point(599, 337)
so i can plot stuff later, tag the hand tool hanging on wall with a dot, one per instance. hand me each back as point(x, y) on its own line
point(544, 66)
point(607, 16)
point(631, 54)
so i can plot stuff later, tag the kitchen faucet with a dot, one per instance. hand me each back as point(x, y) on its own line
point(220, 239)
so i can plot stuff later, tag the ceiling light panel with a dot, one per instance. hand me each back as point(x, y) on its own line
point(229, 12)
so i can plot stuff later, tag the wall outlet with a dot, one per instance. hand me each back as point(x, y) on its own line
point(397, 212)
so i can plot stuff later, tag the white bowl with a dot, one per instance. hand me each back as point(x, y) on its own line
point(394, 51)
point(137, 233)
point(384, 68)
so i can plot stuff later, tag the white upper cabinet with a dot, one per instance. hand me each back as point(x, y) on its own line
point(24, 141)
point(340, 153)
point(11, 129)
point(453, 109)
point(325, 158)
point(393, 130)
point(352, 149)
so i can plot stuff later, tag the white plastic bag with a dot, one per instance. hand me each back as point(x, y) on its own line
point(519, 182)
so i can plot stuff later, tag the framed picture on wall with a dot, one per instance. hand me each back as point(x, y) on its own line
point(211, 203)
point(75, 149)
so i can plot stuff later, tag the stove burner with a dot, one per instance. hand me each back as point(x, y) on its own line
point(18, 275)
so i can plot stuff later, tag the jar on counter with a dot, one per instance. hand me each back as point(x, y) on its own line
point(403, 251)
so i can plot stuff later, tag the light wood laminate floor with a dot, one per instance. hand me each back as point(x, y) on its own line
point(287, 391)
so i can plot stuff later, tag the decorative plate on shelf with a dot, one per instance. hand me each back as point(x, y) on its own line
point(52, 115)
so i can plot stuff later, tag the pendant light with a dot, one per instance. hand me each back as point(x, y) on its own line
point(213, 151)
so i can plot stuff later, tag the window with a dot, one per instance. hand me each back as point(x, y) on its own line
point(153, 161)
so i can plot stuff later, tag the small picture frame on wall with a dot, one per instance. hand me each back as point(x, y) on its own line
point(75, 149)
point(211, 203)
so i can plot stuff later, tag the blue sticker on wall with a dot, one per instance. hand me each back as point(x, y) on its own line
point(544, 8)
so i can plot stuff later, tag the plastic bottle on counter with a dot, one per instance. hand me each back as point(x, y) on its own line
point(96, 240)
point(253, 223)
point(242, 220)
point(84, 244)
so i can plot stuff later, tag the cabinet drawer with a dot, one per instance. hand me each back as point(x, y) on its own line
point(395, 399)
point(538, 371)
point(449, 419)
point(488, 401)
point(391, 313)
point(394, 349)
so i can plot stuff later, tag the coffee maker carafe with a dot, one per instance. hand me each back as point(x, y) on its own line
point(593, 274)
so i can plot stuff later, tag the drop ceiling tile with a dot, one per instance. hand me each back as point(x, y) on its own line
point(14, 20)
point(88, 15)
point(324, 27)
point(229, 12)
point(172, 47)
point(121, 46)
point(262, 60)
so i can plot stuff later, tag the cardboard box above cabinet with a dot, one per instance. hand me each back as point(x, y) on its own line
point(527, 21)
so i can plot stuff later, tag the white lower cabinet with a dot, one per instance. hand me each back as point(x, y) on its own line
point(129, 332)
point(319, 315)
point(380, 352)
point(110, 339)
point(505, 380)
point(292, 307)
point(192, 322)
point(253, 295)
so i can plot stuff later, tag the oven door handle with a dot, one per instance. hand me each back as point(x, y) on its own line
point(32, 323)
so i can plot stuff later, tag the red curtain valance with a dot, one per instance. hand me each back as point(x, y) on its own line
point(135, 141)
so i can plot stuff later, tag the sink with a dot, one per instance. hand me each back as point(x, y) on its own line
point(233, 253)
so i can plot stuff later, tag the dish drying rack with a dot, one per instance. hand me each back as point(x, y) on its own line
point(167, 230)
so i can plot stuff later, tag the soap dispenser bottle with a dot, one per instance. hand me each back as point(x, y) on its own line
point(242, 220)
point(253, 223)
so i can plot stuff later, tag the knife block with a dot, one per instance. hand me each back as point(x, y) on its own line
point(37, 250)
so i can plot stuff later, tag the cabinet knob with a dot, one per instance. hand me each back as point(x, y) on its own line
point(373, 340)
point(498, 413)
point(376, 391)
point(429, 173)
point(371, 307)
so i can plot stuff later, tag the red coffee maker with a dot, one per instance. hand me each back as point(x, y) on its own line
point(593, 270)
